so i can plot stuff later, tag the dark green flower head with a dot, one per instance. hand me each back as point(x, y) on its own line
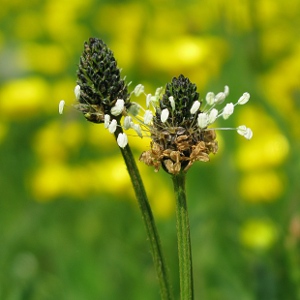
point(183, 94)
point(99, 83)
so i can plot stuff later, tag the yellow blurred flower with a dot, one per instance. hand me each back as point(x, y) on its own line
point(265, 151)
point(281, 86)
point(57, 141)
point(50, 181)
point(275, 40)
point(270, 12)
point(26, 25)
point(110, 176)
point(78, 183)
point(107, 177)
point(129, 17)
point(136, 143)
point(267, 12)
point(160, 194)
point(263, 186)
point(268, 148)
point(258, 234)
point(48, 59)
point(237, 14)
point(61, 20)
point(100, 137)
point(162, 202)
point(23, 98)
point(71, 134)
point(54, 179)
point(188, 52)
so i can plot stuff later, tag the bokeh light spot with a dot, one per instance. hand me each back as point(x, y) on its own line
point(269, 147)
point(258, 234)
point(47, 59)
point(263, 186)
point(50, 181)
point(23, 98)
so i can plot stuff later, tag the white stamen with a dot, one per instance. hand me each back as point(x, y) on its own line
point(134, 109)
point(195, 107)
point(210, 98)
point(213, 115)
point(158, 92)
point(154, 100)
point(137, 129)
point(112, 126)
point(220, 97)
point(148, 117)
point(228, 110)
point(61, 106)
point(164, 115)
point(244, 99)
point(122, 140)
point(245, 132)
point(118, 108)
point(202, 120)
point(148, 100)
point(249, 134)
point(106, 120)
point(139, 89)
point(172, 102)
point(226, 90)
point(77, 92)
point(127, 122)
point(241, 129)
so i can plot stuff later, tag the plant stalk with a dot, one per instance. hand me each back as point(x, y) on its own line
point(183, 238)
point(153, 236)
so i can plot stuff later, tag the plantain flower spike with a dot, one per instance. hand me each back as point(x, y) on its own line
point(100, 89)
point(101, 93)
point(179, 127)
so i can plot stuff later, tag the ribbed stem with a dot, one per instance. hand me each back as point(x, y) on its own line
point(158, 258)
point(183, 238)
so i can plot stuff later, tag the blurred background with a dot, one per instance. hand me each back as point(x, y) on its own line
point(69, 224)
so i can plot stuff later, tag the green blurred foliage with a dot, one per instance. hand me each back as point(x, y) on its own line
point(69, 225)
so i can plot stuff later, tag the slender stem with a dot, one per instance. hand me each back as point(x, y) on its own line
point(184, 239)
point(158, 258)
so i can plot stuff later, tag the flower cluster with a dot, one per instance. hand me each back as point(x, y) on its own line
point(178, 124)
point(176, 120)
point(101, 93)
point(99, 84)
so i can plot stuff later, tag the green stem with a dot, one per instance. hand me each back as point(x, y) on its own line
point(184, 239)
point(159, 261)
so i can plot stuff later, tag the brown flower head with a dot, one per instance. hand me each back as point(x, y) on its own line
point(179, 126)
point(177, 141)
